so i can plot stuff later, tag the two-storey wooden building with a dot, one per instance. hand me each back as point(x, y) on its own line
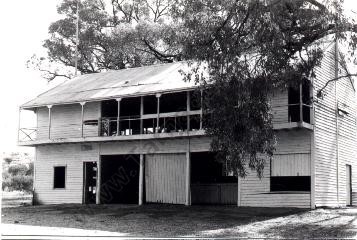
point(137, 136)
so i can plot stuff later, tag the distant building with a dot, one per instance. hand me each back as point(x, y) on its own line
point(137, 136)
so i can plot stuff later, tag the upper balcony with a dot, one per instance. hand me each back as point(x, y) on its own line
point(165, 115)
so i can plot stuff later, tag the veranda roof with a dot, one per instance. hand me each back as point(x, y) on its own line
point(114, 84)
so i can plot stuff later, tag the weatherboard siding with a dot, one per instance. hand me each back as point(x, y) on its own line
point(66, 121)
point(177, 145)
point(279, 104)
point(335, 144)
point(72, 157)
point(255, 191)
point(347, 151)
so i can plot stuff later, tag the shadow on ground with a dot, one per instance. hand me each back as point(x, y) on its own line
point(322, 223)
point(161, 220)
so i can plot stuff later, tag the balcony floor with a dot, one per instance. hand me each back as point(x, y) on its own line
point(114, 138)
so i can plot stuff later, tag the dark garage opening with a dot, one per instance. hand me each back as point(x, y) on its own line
point(120, 179)
point(211, 182)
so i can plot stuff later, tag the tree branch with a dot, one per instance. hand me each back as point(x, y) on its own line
point(159, 55)
point(319, 92)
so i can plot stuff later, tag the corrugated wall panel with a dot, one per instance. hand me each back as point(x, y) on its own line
point(165, 178)
point(291, 165)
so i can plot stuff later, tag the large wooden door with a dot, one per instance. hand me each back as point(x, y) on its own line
point(348, 185)
point(165, 178)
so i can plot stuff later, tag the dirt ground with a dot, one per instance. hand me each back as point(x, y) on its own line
point(160, 220)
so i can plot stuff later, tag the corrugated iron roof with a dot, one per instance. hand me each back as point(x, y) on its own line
point(113, 84)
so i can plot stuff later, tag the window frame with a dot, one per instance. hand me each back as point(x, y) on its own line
point(65, 177)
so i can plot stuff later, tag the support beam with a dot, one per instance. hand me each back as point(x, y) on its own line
point(312, 150)
point(19, 126)
point(188, 107)
point(239, 192)
point(158, 112)
point(141, 179)
point(312, 172)
point(141, 114)
point(188, 179)
point(99, 172)
point(49, 121)
point(82, 117)
point(118, 117)
point(201, 114)
point(300, 103)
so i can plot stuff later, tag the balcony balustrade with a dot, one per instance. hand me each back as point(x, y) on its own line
point(125, 119)
point(168, 123)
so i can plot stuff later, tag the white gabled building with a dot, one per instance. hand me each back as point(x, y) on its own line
point(137, 136)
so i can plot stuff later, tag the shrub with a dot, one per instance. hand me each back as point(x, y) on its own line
point(19, 169)
point(18, 178)
point(21, 183)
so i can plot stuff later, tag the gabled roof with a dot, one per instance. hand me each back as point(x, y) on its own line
point(114, 84)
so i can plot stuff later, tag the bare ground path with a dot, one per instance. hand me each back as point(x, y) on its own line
point(160, 220)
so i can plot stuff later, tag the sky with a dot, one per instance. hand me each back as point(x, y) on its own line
point(24, 26)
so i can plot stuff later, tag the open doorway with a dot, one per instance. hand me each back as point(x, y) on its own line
point(120, 179)
point(211, 181)
point(90, 182)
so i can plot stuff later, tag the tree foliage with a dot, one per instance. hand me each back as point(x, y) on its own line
point(112, 35)
point(249, 48)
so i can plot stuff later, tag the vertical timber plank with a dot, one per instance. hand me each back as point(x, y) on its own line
point(141, 180)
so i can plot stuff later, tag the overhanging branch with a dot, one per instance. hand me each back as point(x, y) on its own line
point(319, 92)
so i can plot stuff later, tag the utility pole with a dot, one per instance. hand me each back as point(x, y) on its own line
point(77, 41)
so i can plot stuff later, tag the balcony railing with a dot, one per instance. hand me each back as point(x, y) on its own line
point(27, 134)
point(113, 126)
point(174, 122)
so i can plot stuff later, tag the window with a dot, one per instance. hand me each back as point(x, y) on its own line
point(295, 183)
point(59, 175)
point(294, 103)
point(290, 172)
